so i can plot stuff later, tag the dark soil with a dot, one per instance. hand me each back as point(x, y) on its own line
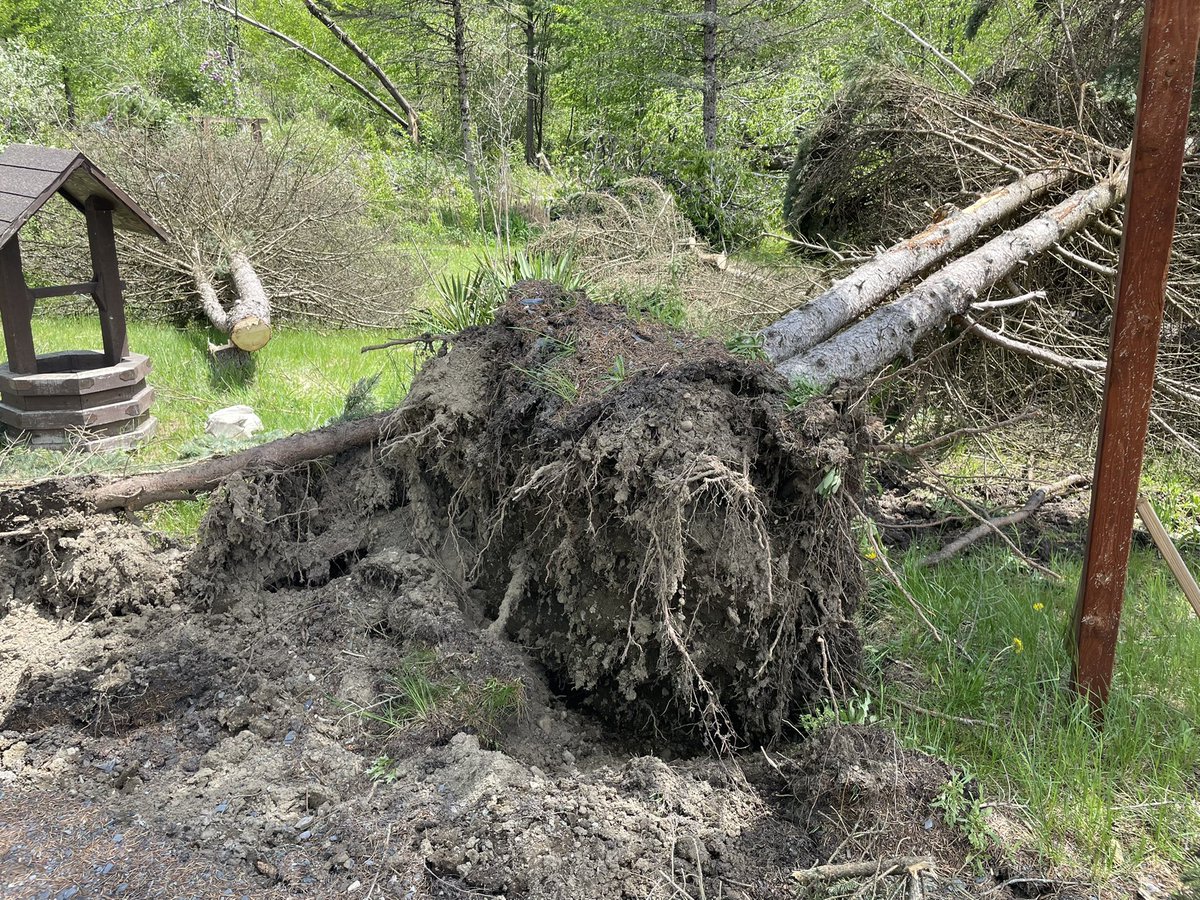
point(643, 566)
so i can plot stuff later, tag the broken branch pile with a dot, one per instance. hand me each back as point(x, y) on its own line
point(1028, 267)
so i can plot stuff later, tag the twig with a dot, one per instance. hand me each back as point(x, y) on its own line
point(961, 720)
point(952, 436)
point(427, 339)
point(881, 558)
point(988, 526)
point(924, 43)
point(1011, 301)
point(862, 868)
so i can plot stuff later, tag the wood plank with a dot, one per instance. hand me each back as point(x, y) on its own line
point(1169, 41)
point(16, 311)
point(63, 290)
point(109, 295)
point(1170, 553)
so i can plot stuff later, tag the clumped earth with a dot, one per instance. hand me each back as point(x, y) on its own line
point(524, 647)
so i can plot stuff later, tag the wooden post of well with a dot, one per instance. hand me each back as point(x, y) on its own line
point(1169, 40)
point(108, 293)
point(16, 311)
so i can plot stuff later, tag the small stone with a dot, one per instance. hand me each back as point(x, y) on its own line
point(304, 836)
point(354, 887)
point(265, 868)
point(118, 838)
point(304, 822)
point(568, 757)
point(545, 723)
point(290, 737)
point(176, 607)
point(687, 424)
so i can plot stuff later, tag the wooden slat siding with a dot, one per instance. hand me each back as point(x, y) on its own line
point(1170, 34)
point(88, 417)
point(80, 372)
point(108, 293)
point(16, 311)
point(30, 402)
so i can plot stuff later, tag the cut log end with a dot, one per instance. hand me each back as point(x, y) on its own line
point(250, 334)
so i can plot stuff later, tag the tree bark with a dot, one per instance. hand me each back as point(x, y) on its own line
point(894, 330)
point(847, 299)
point(136, 491)
point(375, 69)
point(465, 123)
point(361, 88)
point(711, 84)
point(209, 302)
point(532, 95)
point(250, 317)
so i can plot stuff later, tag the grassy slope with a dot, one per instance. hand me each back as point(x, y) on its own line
point(1105, 800)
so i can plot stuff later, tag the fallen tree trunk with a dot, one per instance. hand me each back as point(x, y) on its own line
point(250, 317)
point(136, 491)
point(895, 329)
point(827, 313)
point(21, 508)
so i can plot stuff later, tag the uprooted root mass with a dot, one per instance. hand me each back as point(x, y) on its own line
point(640, 509)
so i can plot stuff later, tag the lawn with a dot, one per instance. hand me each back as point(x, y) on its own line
point(1106, 799)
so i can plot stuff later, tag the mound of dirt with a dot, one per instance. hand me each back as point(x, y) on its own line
point(642, 510)
point(166, 752)
point(664, 533)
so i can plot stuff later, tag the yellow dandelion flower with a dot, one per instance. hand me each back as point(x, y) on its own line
point(871, 554)
point(1018, 645)
point(1038, 607)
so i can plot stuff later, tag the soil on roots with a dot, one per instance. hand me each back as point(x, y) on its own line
point(652, 520)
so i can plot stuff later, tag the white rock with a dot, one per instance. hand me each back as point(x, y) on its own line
point(234, 422)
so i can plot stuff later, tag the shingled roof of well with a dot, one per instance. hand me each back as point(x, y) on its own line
point(30, 175)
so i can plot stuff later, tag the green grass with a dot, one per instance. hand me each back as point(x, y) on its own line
point(1102, 800)
point(300, 382)
point(425, 696)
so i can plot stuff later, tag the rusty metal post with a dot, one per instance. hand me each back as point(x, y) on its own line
point(1169, 42)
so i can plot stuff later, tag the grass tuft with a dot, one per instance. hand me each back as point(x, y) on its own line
point(1102, 799)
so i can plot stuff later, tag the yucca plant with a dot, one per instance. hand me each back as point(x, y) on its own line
point(463, 301)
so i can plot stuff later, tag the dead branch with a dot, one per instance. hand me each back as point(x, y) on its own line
point(993, 526)
point(862, 868)
point(361, 88)
point(388, 85)
point(951, 436)
point(137, 491)
point(426, 340)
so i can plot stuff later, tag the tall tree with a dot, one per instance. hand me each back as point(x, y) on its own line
point(711, 86)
